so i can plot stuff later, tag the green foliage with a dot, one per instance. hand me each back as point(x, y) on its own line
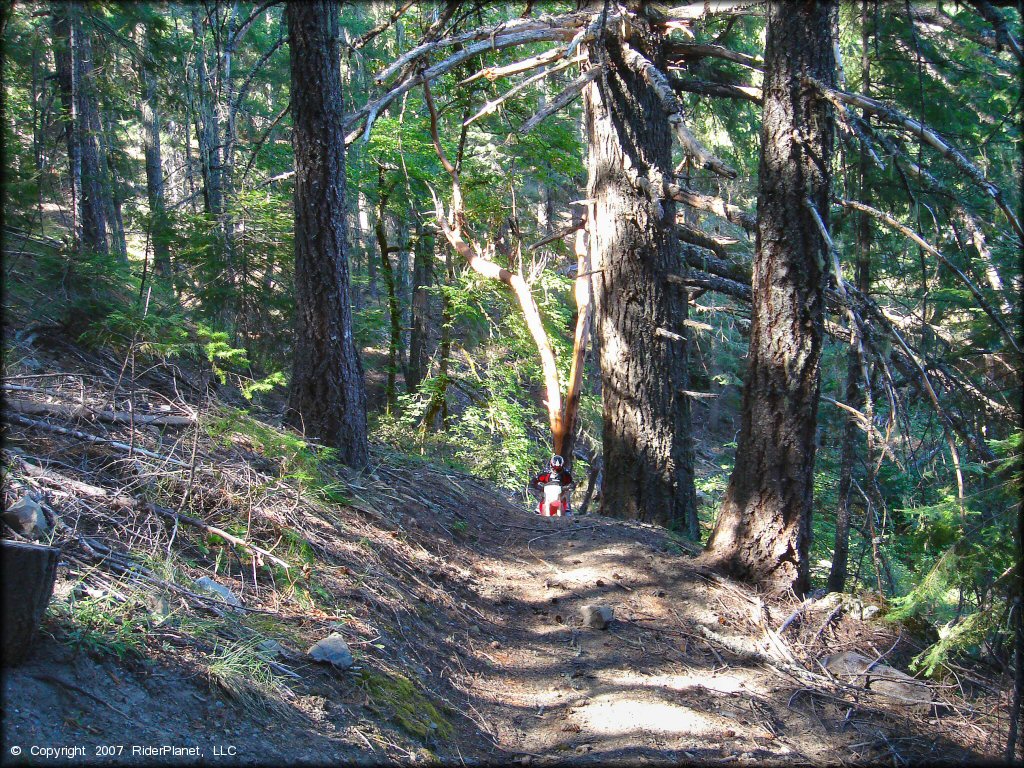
point(101, 625)
point(240, 668)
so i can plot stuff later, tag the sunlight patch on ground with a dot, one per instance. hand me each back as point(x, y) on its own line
point(715, 683)
point(612, 715)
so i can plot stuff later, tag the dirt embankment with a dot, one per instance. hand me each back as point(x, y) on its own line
point(462, 613)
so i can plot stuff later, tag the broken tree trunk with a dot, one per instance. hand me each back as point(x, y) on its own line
point(28, 574)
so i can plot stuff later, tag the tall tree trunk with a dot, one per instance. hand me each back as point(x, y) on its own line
point(764, 527)
point(389, 283)
point(327, 398)
point(159, 234)
point(639, 314)
point(95, 194)
point(67, 86)
point(418, 336)
point(207, 133)
point(855, 362)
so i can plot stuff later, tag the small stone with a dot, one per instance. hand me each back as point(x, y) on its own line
point(869, 612)
point(271, 648)
point(495, 644)
point(332, 650)
point(597, 616)
point(159, 606)
point(26, 516)
point(599, 583)
point(208, 585)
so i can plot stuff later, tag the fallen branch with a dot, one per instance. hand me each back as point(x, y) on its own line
point(25, 421)
point(195, 523)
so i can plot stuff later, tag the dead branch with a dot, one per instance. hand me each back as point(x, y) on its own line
point(37, 408)
point(367, 36)
point(659, 83)
point(565, 97)
point(927, 135)
point(195, 523)
point(369, 112)
point(491, 106)
point(891, 222)
point(710, 282)
point(702, 50)
point(711, 204)
point(525, 65)
point(559, 235)
point(488, 35)
point(718, 90)
point(25, 421)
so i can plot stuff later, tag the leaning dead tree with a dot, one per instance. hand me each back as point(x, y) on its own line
point(561, 413)
point(609, 50)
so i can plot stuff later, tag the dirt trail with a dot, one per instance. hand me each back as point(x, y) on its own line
point(644, 689)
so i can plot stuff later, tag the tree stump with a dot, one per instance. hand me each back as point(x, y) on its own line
point(29, 571)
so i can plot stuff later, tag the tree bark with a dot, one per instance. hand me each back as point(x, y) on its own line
point(159, 233)
point(29, 571)
point(327, 398)
point(648, 454)
point(418, 336)
point(764, 527)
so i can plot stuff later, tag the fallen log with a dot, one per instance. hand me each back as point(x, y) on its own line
point(36, 408)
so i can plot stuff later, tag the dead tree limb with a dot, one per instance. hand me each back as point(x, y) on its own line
point(659, 83)
point(574, 89)
point(927, 135)
point(25, 421)
point(36, 408)
point(891, 222)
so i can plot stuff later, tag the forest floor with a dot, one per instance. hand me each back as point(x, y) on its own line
point(462, 611)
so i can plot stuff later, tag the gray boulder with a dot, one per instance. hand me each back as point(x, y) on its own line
point(26, 516)
point(332, 650)
point(211, 587)
point(858, 670)
point(597, 616)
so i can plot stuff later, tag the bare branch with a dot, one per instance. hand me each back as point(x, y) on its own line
point(927, 135)
point(891, 222)
point(370, 111)
point(657, 80)
point(367, 36)
point(715, 205)
point(487, 37)
point(565, 97)
point(703, 50)
point(491, 106)
point(493, 73)
point(718, 90)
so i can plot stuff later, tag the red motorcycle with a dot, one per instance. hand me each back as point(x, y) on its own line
point(553, 504)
